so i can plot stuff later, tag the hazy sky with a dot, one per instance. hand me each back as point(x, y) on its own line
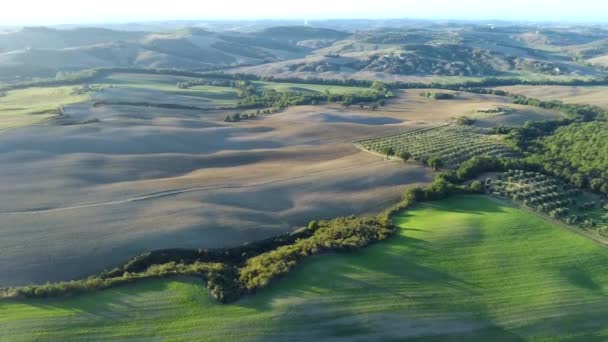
point(43, 12)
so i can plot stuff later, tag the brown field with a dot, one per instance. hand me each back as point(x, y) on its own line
point(580, 95)
point(409, 105)
point(81, 198)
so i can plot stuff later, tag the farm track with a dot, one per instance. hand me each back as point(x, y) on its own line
point(175, 192)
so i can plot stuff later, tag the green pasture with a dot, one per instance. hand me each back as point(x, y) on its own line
point(463, 268)
point(34, 105)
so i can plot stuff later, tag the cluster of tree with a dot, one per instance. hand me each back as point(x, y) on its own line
point(376, 94)
point(437, 96)
point(341, 234)
point(578, 153)
point(477, 85)
point(206, 81)
point(100, 282)
point(244, 86)
point(272, 98)
point(236, 117)
point(465, 120)
point(577, 112)
point(431, 161)
point(480, 164)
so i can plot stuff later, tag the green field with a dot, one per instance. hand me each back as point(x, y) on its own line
point(163, 89)
point(321, 88)
point(463, 268)
point(34, 105)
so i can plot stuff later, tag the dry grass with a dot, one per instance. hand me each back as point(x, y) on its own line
point(569, 94)
point(410, 107)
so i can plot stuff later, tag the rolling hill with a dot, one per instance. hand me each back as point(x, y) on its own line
point(465, 268)
point(305, 51)
point(42, 52)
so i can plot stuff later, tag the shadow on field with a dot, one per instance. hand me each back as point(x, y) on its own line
point(579, 278)
point(469, 204)
point(118, 303)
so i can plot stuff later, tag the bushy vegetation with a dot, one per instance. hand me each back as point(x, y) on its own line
point(206, 81)
point(576, 112)
point(465, 120)
point(444, 146)
point(342, 234)
point(377, 92)
point(437, 96)
point(578, 153)
point(101, 282)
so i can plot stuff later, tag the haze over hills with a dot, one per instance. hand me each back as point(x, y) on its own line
point(42, 52)
point(355, 49)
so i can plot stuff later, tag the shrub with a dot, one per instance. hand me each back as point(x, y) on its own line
point(465, 120)
point(477, 187)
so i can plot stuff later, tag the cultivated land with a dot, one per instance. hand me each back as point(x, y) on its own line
point(416, 107)
point(298, 87)
point(581, 95)
point(144, 178)
point(451, 144)
point(462, 268)
point(30, 106)
point(123, 175)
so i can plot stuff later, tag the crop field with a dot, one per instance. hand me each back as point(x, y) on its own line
point(163, 178)
point(126, 87)
point(321, 88)
point(463, 268)
point(552, 197)
point(450, 143)
point(408, 104)
point(596, 95)
point(34, 105)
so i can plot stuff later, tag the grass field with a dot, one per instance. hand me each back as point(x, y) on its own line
point(33, 105)
point(463, 268)
point(163, 89)
point(310, 87)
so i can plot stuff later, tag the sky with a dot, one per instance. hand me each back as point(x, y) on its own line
point(47, 12)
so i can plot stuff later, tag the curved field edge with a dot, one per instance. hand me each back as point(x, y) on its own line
point(462, 268)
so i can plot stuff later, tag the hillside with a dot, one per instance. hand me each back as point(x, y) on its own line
point(474, 51)
point(306, 51)
point(42, 52)
point(465, 268)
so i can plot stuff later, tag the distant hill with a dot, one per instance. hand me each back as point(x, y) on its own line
point(460, 50)
point(452, 50)
point(42, 52)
